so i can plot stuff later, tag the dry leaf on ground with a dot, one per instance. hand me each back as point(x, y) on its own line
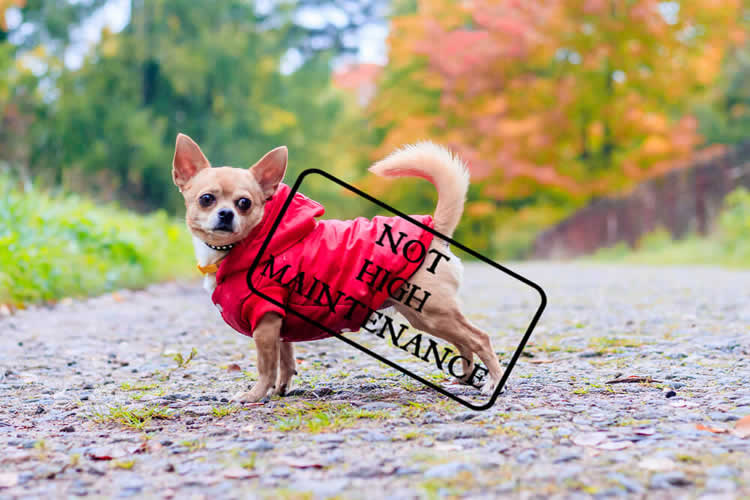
point(715, 430)
point(742, 428)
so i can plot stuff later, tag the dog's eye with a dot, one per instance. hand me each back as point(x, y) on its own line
point(206, 200)
point(244, 204)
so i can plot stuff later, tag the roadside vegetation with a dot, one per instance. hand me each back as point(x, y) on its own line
point(728, 246)
point(60, 245)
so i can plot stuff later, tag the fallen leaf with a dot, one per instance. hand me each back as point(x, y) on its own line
point(299, 361)
point(541, 361)
point(233, 367)
point(117, 297)
point(4, 310)
point(103, 453)
point(633, 379)
point(239, 473)
point(8, 479)
point(301, 463)
point(657, 464)
point(140, 448)
point(648, 431)
point(589, 438)
point(742, 428)
point(702, 427)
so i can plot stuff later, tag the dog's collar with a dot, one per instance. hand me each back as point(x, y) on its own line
point(209, 269)
point(221, 248)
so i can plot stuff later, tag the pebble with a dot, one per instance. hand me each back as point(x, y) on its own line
point(630, 485)
point(259, 445)
point(669, 479)
point(448, 470)
point(465, 433)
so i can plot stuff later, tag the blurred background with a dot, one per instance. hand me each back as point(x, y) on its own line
point(604, 129)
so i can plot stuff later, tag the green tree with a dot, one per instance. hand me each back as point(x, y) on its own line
point(209, 69)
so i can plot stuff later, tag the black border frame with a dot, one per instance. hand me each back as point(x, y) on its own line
point(477, 255)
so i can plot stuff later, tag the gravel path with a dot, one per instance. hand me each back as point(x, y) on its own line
point(93, 401)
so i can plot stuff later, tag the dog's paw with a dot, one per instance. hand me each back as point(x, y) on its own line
point(250, 396)
point(280, 390)
point(489, 387)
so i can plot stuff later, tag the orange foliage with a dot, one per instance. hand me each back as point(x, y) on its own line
point(580, 97)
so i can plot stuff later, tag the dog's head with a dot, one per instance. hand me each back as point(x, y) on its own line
point(224, 204)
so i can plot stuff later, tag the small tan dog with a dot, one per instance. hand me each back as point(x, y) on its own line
point(225, 204)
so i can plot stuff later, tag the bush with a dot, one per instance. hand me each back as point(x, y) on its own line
point(734, 227)
point(59, 246)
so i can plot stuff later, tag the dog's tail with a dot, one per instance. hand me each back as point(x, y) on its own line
point(439, 166)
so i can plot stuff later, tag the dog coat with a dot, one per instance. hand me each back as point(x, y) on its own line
point(303, 251)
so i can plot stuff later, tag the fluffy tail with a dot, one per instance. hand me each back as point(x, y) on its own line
point(439, 166)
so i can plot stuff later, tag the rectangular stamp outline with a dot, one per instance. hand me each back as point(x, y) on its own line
point(348, 340)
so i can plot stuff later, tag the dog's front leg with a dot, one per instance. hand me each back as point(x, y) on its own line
point(287, 370)
point(266, 335)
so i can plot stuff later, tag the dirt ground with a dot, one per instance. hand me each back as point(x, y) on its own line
point(101, 398)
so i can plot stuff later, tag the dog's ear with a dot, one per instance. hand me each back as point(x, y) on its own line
point(188, 160)
point(270, 170)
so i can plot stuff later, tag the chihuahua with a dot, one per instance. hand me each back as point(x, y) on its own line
point(227, 207)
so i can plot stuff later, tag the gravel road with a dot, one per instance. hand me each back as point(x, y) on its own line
point(94, 400)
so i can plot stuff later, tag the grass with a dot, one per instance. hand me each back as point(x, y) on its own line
point(56, 246)
point(320, 416)
point(134, 418)
point(729, 246)
point(125, 386)
point(223, 411)
point(193, 445)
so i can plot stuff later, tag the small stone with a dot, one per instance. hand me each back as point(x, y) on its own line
point(405, 471)
point(718, 484)
point(259, 445)
point(364, 472)
point(329, 438)
point(463, 417)
point(68, 428)
point(375, 436)
point(380, 405)
point(447, 470)
point(467, 433)
point(670, 394)
point(321, 488)
point(630, 485)
point(281, 471)
point(721, 471)
point(669, 479)
point(567, 457)
point(432, 418)
point(545, 412)
point(526, 457)
point(723, 417)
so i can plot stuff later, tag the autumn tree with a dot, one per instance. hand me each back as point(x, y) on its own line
point(553, 102)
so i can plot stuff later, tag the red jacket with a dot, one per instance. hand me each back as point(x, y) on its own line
point(333, 252)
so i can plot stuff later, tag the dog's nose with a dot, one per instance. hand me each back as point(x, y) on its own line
point(225, 215)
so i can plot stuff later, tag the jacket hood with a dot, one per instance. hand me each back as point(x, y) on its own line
point(298, 222)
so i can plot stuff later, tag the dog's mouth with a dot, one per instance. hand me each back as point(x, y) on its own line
point(224, 228)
